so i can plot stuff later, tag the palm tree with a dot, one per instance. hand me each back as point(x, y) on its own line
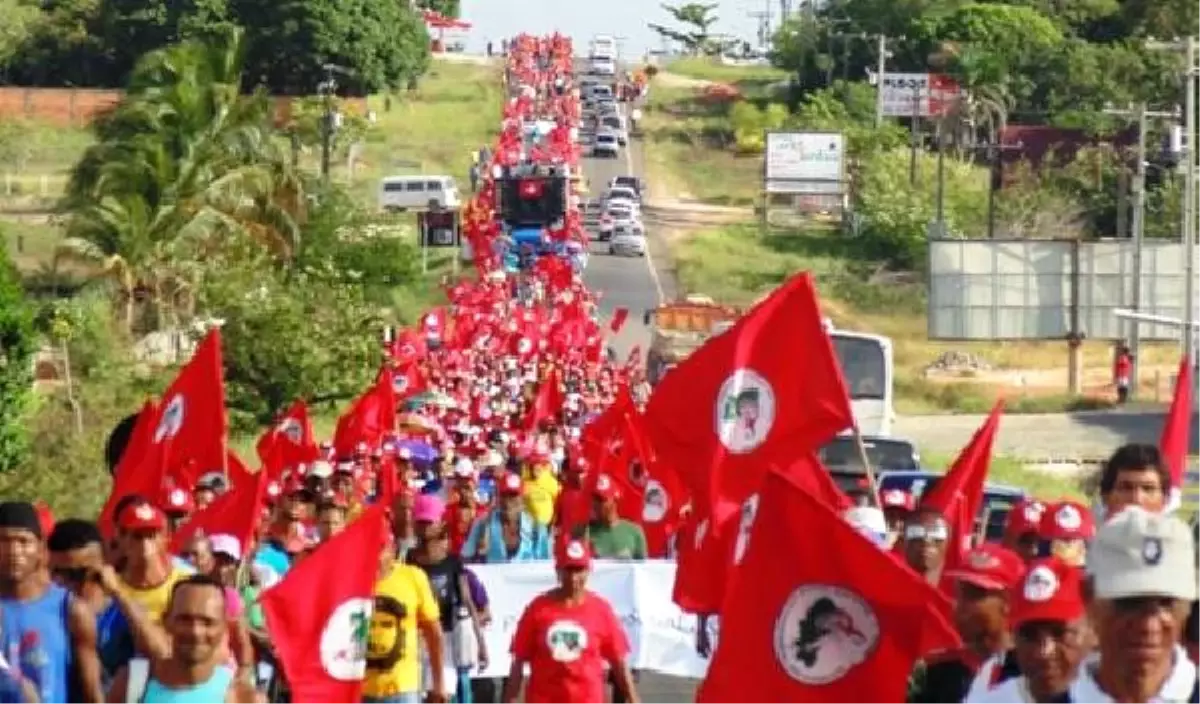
point(184, 163)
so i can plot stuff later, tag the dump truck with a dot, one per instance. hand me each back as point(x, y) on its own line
point(681, 327)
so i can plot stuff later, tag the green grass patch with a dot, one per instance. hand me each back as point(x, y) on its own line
point(1014, 472)
point(707, 69)
point(434, 129)
point(35, 159)
point(30, 244)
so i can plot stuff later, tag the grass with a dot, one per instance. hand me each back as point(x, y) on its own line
point(30, 243)
point(35, 159)
point(707, 69)
point(1012, 471)
point(433, 130)
point(739, 263)
point(684, 154)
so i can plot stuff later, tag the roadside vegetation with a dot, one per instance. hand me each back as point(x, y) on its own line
point(1017, 64)
point(192, 204)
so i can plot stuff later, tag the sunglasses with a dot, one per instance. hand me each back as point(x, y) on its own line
point(71, 575)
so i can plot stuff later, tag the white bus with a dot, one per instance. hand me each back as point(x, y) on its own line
point(870, 376)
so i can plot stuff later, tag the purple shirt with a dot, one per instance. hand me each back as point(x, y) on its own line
point(478, 593)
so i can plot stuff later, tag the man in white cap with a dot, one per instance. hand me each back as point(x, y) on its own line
point(1144, 580)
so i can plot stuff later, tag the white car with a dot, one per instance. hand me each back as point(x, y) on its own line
point(603, 66)
point(617, 215)
point(628, 239)
point(606, 145)
point(622, 193)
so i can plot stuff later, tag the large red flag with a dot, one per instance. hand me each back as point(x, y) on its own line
point(958, 495)
point(128, 476)
point(838, 620)
point(372, 415)
point(319, 615)
point(763, 392)
point(547, 403)
point(289, 442)
point(1177, 430)
point(190, 435)
point(236, 512)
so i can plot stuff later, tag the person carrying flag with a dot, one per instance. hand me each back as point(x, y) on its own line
point(566, 636)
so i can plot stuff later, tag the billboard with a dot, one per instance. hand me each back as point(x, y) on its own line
point(1026, 289)
point(805, 163)
point(923, 94)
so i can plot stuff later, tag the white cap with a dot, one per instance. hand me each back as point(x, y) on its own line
point(868, 520)
point(464, 467)
point(226, 544)
point(321, 469)
point(1140, 553)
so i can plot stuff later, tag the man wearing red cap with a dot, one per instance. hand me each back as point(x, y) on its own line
point(1069, 526)
point(566, 636)
point(1050, 637)
point(147, 574)
point(984, 581)
point(1022, 528)
point(612, 537)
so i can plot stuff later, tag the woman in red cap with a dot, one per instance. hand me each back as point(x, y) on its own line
point(566, 636)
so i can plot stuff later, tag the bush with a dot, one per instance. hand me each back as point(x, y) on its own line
point(17, 346)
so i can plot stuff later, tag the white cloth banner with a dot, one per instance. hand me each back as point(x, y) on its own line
point(663, 637)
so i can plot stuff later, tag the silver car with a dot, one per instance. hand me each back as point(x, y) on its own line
point(628, 239)
point(605, 144)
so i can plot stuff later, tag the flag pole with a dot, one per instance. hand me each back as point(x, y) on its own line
point(866, 463)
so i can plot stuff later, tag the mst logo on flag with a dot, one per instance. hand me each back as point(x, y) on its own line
point(344, 640)
point(292, 429)
point(656, 502)
point(171, 420)
point(745, 411)
point(823, 632)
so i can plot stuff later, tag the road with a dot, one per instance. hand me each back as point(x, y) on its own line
point(634, 283)
point(1080, 436)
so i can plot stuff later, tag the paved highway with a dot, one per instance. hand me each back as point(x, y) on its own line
point(634, 283)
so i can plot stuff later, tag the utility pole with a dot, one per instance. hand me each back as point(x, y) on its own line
point(1189, 228)
point(328, 88)
point(1141, 115)
point(763, 19)
point(880, 74)
point(914, 139)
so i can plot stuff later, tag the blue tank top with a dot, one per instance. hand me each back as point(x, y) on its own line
point(207, 692)
point(35, 636)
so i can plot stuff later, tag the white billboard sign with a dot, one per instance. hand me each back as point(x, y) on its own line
point(925, 94)
point(805, 162)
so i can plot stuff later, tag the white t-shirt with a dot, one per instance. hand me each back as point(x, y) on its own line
point(1177, 688)
point(982, 684)
point(1010, 691)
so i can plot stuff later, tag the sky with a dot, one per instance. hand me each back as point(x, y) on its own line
point(582, 19)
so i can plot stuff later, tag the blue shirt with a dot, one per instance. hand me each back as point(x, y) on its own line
point(114, 641)
point(534, 545)
point(35, 636)
point(274, 558)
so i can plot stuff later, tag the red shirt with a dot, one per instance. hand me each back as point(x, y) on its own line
point(567, 647)
point(574, 507)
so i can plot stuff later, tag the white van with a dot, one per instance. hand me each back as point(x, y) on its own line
point(400, 193)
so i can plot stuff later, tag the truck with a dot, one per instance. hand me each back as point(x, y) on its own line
point(866, 360)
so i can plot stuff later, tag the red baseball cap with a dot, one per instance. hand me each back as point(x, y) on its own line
point(176, 501)
point(142, 516)
point(605, 488)
point(573, 553)
point(511, 485)
point(1050, 591)
point(1067, 520)
point(990, 566)
point(1024, 517)
point(897, 498)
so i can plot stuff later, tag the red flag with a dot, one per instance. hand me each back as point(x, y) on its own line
point(547, 403)
point(128, 476)
point(319, 615)
point(372, 415)
point(408, 381)
point(958, 495)
point(236, 512)
point(531, 188)
point(235, 470)
point(289, 443)
point(839, 620)
point(1177, 428)
point(189, 437)
point(765, 391)
point(407, 347)
point(618, 319)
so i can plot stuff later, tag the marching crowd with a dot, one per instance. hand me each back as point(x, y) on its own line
point(501, 430)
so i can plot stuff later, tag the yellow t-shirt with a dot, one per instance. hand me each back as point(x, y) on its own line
point(154, 600)
point(403, 599)
point(541, 491)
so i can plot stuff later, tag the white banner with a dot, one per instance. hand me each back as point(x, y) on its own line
point(663, 637)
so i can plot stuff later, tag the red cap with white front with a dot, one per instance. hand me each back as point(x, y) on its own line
point(574, 554)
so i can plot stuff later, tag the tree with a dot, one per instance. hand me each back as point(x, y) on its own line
point(697, 19)
point(445, 8)
point(378, 44)
point(63, 48)
point(184, 162)
point(17, 345)
point(133, 28)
